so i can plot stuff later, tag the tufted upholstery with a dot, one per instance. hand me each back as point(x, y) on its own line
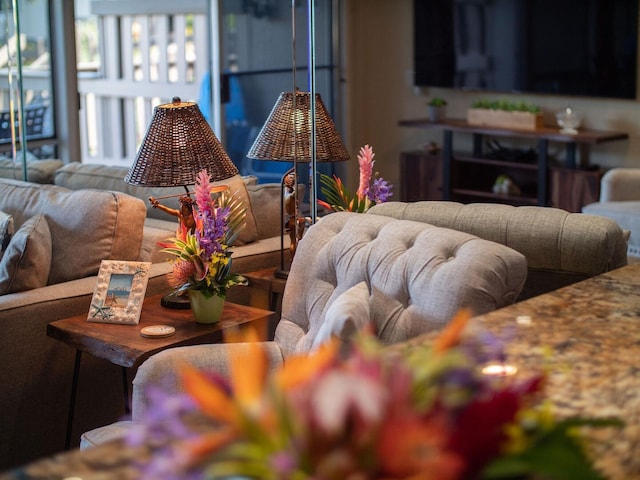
point(561, 247)
point(419, 276)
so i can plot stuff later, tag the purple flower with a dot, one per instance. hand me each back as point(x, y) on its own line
point(214, 224)
point(379, 191)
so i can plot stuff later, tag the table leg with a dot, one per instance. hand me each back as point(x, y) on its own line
point(125, 389)
point(72, 400)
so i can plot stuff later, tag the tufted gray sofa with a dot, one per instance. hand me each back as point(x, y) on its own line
point(418, 276)
point(561, 247)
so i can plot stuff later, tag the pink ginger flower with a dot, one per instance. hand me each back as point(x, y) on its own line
point(366, 161)
point(203, 192)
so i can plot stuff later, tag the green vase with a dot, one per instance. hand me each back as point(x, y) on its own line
point(206, 309)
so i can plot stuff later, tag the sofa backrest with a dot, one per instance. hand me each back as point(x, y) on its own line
point(418, 276)
point(87, 226)
point(561, 247)
point(77, 175)
point(263, 200)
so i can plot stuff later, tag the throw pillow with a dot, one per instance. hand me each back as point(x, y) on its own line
point(26, 262)
point(250, 231)
point(6, 230)
point(346, 316)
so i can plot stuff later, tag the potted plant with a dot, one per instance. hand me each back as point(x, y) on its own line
point(505, 113)
point(435, 109)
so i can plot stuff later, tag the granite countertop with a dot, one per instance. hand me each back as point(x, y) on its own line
point(586, 336)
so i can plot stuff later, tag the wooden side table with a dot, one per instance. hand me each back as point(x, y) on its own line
point(265, 290)
point(123, 345)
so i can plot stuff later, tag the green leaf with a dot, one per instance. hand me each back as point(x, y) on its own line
point(555, 455)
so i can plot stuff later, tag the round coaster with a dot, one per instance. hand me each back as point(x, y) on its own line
point(157, 331)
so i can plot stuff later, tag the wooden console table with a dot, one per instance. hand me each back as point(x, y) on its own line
point(474, 184)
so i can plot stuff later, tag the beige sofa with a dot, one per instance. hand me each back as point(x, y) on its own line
point(85, 226)
point(561, 248)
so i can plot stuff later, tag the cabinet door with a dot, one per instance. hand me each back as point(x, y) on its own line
point(572, 189)
point(420, 176)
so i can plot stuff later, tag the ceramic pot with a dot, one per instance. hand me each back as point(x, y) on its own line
point(206, 309)
point(435, 113)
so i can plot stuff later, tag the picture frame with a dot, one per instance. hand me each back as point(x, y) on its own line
point(119, 292)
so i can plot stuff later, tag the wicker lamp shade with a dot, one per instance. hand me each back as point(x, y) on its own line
point(286, 135)
point(177, 146)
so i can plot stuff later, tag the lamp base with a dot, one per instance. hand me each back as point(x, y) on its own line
point(283, 274)
point(176, 301)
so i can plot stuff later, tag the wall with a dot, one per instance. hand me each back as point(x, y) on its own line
point(378, 82)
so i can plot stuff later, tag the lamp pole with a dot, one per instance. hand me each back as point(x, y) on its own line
point(313, 194)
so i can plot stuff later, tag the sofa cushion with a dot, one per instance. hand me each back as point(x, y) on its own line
point(265, 198)
point(87, 226)
point(6, 231)
point(77, 175)
point(26, 263)
point(38, 171)
point(348, 314)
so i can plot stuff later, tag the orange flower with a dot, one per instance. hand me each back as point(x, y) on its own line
point(247, 366)
point(210, 397)
point(247, 384)
point(300, 369)
point(452, 333)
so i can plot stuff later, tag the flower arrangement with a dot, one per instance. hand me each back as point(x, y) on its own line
point(417, 413)
point(371, 189)
point(202, 254)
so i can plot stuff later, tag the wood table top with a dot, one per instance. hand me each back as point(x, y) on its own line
point(123, 345)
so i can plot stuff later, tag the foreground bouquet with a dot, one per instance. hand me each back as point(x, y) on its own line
point(371, 190)
point(202, 254)
point(428, 413)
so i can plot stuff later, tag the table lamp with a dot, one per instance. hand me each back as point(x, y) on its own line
point(177, 146)
point(286, 136)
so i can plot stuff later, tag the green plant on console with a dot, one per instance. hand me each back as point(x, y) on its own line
point(506, 105)
point(437, 102)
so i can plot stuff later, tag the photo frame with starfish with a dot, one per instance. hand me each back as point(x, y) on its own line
point(119, 292)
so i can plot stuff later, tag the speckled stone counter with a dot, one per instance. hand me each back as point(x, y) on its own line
point(586, 336)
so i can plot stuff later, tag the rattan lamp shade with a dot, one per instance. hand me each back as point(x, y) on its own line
point(284, 139)
point(177, 146)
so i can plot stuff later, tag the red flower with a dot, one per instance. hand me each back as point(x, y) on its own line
point(411, 446)
point(480, 427)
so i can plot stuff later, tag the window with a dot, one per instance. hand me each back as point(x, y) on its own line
point(26, 103)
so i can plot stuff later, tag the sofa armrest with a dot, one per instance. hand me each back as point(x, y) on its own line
point(620, 184)
point(163, 369)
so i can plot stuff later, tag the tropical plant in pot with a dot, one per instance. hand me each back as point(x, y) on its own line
point(202, 263)
point(372, 189)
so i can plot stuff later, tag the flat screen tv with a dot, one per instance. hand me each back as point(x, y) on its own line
point(565, 47)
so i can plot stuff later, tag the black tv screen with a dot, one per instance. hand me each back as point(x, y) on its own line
point(565, 47)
